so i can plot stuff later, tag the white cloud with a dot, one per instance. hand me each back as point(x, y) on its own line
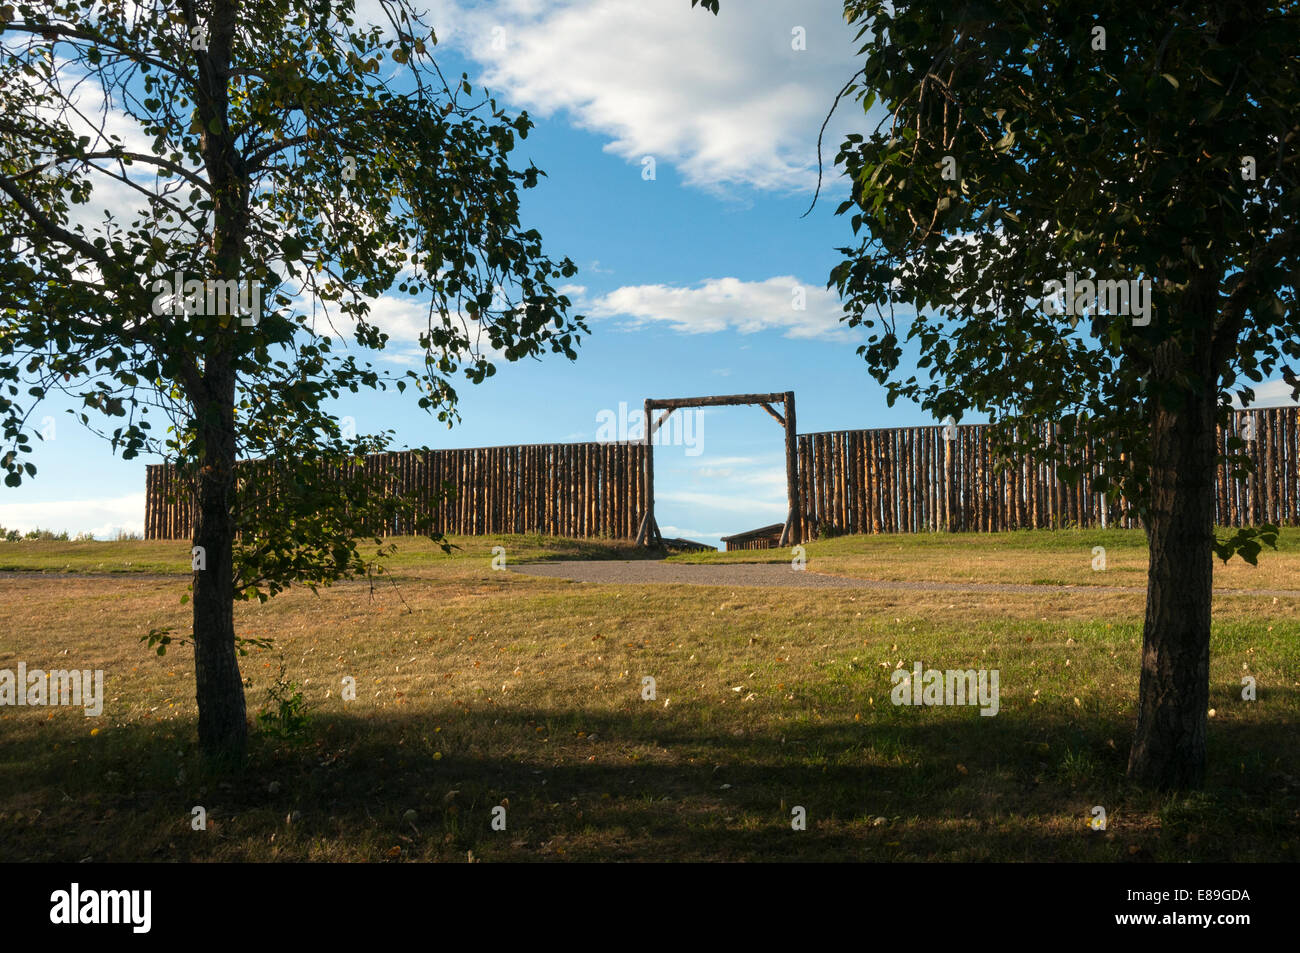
point(1270, 394)
point(728, 304)
point(723, 502)
point(92, 114)
point(727, 462)
point(768, 482)
point(726, 99)
point(403, 319)
point(103, 517)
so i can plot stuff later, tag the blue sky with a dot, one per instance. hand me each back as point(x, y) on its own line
point(688, 279)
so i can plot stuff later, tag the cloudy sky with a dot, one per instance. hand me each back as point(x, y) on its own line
point(680, 152)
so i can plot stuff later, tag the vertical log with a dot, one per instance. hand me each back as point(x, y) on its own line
point(483, 483)
point(1291, 432)
point(1235, 488)
point(584, 488)
point(824, 518)
point(942, 466)
point(833, 518)
point(846, 481)
point(888, 445)
point(949, 469)
point(880, 450)
point(537, 489)
point(610, 490)
point(914, 479)
point(897, 478)
point(898, 503)
point(850, 487)
point(466, 492)
point(1031, 492)
point(574, 490)
point(451, 474)
point(647, 527)
point(435, 489)
point(520, 458)
point(819, 497)
point(819, 482)
point(1229, 514)
point(1253, 511)
point(593, 477)
point(837, 481)
point(934, 478)
point(638, 480)
point(1221, 477)
point(517, 489)
point(552, 477)
point(808, 493)
point(502, 479)
point(922, 478)
point(476, 493)
point(791, 534)
point(620, 490)
point(828, 488)
point(863, 523)
point(966, 490)
point(919, 477)
point(625, 454)
point(1270, 467)
point(562, 491)
point(871, 478)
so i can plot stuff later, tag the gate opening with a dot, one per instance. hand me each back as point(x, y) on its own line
point(649, 528)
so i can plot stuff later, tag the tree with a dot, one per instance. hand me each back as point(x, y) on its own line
point(1030, 143)
point(281, 167)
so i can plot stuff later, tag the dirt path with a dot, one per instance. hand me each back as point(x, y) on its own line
point(650, 571)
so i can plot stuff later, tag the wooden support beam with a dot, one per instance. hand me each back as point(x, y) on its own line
point(725, 400)
point(779, 419)
point(654, 427)
point(790, 535)
point(648, 474)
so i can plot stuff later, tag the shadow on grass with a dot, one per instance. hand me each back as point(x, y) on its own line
point(640, 784)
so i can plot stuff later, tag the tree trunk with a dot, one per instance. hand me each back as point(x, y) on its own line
point(1169, 747)
point(223, 726)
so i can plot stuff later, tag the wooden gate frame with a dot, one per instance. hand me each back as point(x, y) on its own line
point(790, 535)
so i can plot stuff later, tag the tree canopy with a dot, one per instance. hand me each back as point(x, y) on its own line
point(1087, 218)
point(267, 172)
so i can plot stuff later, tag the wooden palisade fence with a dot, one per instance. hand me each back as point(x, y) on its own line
point(909, 479)
point(915, 479)
point(565, 489)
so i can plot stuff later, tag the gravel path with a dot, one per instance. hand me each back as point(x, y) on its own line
point(649, 571)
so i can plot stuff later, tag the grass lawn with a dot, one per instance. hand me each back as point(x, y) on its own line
point(478, 688)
